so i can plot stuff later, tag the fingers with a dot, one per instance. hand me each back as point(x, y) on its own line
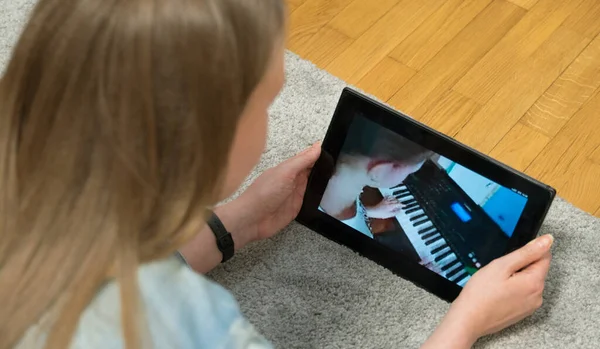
point(305, 159)
point(528, 254)
point(537, 270)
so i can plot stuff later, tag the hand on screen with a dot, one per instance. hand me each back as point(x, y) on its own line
point(505, 291)
point(386, 208)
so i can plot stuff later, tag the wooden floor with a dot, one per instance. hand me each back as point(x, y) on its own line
point(518, 80)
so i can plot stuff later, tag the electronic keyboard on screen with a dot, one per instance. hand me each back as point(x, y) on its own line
point(448, 230)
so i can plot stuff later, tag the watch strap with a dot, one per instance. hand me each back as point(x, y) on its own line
point(224, 239)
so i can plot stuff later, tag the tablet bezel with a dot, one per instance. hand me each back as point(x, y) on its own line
point(351, 103)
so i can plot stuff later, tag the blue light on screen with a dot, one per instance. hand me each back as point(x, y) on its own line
point(461, 212)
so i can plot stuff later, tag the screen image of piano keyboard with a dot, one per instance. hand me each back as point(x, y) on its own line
point(451, 234)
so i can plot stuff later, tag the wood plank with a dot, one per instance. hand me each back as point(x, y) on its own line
point(368, 50)
point(498, 66)
point(585, 19)
point(386, 78)
point(526, 4)
point(520, 146)
point(433, 81)
point(517, 95)
point(437, 31)
point(570, 148)
point(567, 94)
point(360, 15)
point(295, 3)
point(308, 19)
point(583, 187)
point(595, 157)
point(324, 46)
point(450, 113)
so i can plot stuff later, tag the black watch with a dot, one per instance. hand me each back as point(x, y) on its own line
point(224, 238)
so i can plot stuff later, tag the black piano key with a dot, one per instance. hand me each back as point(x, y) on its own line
point(408, 207)
point(417, 217)
point(450, 265)
point(461, 276)
point(400, 192)
point(415, 209)
point(408, 202)
point(398, 186)
point(455, 271)
point(438, 249)
point(426, 230)
point(427, 243)
point(428, 235)
point(423, 221)
point(442, 256)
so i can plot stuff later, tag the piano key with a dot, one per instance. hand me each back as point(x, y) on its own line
point(456, 270)
point(423, 221)
point(436, 244)
point(401, 185)
point(426, 230)
point(427, 243)
point(443, 255)
point(447, 260)
point(414, 214)
point(402, 196)
point(463, 282)
point(439, 249)
point(416, 217)
point(400, 192)
point(413, 210)
point(408, 201)
point(408, 207)
point(461, 276)
point(450, 265)
point(430, 234)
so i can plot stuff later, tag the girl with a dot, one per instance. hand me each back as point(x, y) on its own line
point(120, 123)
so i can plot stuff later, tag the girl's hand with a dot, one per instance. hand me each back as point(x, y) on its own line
point(275, 197)
point(386, 208)
point(502, 293)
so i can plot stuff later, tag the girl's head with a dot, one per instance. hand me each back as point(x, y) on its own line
point(385, 157)
point(120, 122)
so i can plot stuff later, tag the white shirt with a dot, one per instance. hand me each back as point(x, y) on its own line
point(357, 222)
point(183, 310)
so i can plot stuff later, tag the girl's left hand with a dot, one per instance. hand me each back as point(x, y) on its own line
point(275, 197)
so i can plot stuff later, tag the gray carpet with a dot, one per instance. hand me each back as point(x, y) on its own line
point(303, 291)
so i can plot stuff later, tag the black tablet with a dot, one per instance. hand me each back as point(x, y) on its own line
point(417, 202)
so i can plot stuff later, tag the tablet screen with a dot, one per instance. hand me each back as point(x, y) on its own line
point(432, 209)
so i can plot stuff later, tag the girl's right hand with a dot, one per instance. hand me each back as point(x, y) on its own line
point(502, 293)
point(387, 208)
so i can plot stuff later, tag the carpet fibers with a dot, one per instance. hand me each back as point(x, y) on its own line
point(303, 291)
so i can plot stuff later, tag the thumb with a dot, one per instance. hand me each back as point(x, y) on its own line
point(304, 160)
point(530, 253)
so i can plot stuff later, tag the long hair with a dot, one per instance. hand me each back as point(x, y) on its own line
point(116, 121)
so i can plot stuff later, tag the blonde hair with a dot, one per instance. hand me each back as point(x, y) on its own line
point(116, 121)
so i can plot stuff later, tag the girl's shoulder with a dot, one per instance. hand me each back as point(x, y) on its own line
point(182, 309)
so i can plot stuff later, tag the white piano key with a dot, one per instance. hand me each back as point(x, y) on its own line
point(441, 252)
point(436, 245)
point(463, 282)
point(451, 257)
point(461, 267)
